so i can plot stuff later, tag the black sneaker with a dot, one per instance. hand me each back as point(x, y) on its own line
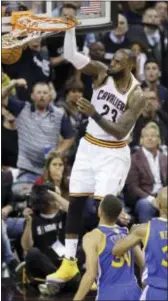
point(12, 265)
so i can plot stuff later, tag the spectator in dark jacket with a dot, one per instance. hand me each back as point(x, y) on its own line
point(150, 35)
point(73, 91)
point(33, 66)
point(148, 173)
point(9, 140)
point(43, 237)
point(134, 11)
point(151, 112)
point(62, 69)
point(152, 76)
point(116, 39)
point(162, 10)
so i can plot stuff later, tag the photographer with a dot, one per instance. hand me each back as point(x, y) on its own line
point(43, 237)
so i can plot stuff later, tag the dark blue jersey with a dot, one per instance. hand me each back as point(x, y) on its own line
point(156, 254)
point(112, 269)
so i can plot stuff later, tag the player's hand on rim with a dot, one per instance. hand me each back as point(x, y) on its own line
point(72, 18)
point(85, 107)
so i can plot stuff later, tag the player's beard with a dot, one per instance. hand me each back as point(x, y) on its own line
point(116, 75)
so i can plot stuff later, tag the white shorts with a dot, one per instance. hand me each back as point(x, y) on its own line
point(99, 170)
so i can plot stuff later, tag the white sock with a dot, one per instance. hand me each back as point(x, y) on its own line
point(71, 247)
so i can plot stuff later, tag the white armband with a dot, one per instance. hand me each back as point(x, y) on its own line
point(71, 54)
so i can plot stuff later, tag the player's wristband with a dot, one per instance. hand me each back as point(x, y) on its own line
point(96, 117)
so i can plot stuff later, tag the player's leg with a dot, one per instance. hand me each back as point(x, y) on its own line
point(81, 186)
point(111, 170)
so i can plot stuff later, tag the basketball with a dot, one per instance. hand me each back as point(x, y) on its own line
point(11, 55)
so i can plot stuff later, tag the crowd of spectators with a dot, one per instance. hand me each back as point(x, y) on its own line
point(41, 129)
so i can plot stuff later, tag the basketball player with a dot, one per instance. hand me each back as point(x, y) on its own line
point(115, 276)
point(155, 239)
point(103, 157)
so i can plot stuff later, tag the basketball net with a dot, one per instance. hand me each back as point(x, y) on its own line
point(29, 28)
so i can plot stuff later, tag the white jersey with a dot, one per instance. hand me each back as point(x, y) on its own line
point(111, 104)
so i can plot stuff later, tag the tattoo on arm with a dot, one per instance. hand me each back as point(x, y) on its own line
point(120, 129)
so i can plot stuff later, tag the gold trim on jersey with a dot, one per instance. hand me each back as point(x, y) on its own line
point(102, 243)
point(104, 143)
point(164, 219)
point(109, 226)
point(146, 236)
point(81, 194)
point(99, 198)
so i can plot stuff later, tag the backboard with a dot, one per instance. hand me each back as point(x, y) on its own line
point(95, 15)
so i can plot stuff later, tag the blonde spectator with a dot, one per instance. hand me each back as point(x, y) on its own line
point(148, 173)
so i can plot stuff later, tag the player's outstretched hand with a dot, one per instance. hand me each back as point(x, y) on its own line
point(85, 107)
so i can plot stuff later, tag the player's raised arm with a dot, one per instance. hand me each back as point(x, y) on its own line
point(79, 60)
point(136, 236)
point(120, 129)
point(91, 251)
point(7, 89)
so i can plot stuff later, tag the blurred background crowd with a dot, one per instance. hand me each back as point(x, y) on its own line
point(41, 129)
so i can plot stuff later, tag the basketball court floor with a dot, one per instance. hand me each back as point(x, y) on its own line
point(12, 292)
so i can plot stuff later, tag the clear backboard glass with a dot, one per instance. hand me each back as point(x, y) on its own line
point(92, 14)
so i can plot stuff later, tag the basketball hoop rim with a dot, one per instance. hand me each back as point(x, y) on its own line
point(70, 23)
